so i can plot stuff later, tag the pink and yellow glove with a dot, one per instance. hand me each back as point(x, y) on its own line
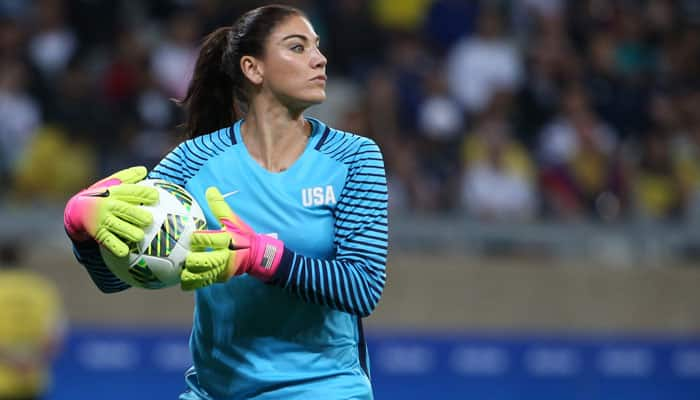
point(109, 212)
point(216, 256)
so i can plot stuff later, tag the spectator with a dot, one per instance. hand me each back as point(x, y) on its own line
point(689, 160)
point(404, 173)
point(13, 38)
point(577, 154)
point(479, 65)
point(31, 327)
point(406, 18)
point(549, 65)
point(686, 148)
point(53, 44)
point(146, 115)
point(447, 21)
point(440, 126)
point(352, 52)
point(79, 108)
point(657, 183)
point(498, 180)
point(529, 15)
point(409, 63)
point(173, 59)
point(619, 62)
point(153, 137)
point(636, 63)
point(20, 116)
point(53, 165)
point(439, 115)
point(125, 74)
point(14, 8)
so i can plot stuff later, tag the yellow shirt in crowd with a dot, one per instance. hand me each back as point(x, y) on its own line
point(30, 329)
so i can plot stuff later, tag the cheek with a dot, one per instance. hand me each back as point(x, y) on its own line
point(283, 64)
point(284, 71)
point(285, 76)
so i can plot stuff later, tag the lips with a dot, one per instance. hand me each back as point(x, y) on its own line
point(321, 78)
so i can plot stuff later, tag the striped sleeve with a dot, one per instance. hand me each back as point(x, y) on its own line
point(88, 254)
point(172, 167)
point(182, 163)
point(354, 280)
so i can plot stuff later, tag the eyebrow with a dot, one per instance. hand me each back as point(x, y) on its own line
point(298, 36)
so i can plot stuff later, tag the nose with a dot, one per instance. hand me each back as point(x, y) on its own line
point(318, 60)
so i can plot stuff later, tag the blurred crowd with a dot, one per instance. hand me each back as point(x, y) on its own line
point(501, 110)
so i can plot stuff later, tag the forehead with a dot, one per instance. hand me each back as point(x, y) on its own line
point(294, 25)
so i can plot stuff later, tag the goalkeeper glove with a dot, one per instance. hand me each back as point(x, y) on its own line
point(216, 256)
point(108, 211)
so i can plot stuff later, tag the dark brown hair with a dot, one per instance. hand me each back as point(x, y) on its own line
point(217, 90)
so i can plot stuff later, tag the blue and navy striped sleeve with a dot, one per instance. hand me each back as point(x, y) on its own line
point(173, 167)
point(88, 254)
point(181, 164)
point(354, 279)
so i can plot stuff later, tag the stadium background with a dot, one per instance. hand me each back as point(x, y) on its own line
point(544, 171)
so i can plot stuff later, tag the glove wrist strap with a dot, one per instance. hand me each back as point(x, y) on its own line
point(266, 258)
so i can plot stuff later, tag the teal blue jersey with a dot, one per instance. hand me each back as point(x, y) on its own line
point(299, 336)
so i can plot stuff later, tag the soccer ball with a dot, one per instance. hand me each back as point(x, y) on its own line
point(157, 261)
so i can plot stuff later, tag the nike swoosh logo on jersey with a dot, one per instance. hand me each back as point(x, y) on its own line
point(225, 195)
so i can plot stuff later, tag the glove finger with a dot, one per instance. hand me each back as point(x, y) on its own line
point(190, 281)
point(207, 261)
point(105, 183)
point(205, 240)
point(112, 243)
point(231, 267)
point(134, 194)
point(217, 204)
point(222, 211)
point(195, 280)
point(130, 213)
point(131, 175)
point(207, 277)
point(123, 229)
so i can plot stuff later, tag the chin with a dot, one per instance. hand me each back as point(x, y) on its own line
point(319, 99)
point(314, 99)
point(317, 96)
point(308, 99)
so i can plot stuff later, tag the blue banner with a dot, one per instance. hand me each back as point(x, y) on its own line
point(150, 365)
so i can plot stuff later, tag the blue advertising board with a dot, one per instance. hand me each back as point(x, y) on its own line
point(149, 364)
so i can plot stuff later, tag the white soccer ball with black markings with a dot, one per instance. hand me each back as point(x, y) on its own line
point(157, 260)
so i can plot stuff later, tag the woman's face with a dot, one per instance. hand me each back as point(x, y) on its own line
point(293, 67)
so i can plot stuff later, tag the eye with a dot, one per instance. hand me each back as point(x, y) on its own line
point(297, 48)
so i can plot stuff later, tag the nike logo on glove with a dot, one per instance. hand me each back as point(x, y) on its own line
point(103, 193)
point(225, 195)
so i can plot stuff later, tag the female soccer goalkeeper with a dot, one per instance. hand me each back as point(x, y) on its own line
point(279, 298)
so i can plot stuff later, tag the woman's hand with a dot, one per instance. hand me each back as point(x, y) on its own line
point(216, 256)
point(109, 212)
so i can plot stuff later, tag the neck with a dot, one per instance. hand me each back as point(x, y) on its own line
point(274, 135)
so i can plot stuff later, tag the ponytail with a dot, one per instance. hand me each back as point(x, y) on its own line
point(209, 103)
point(217, 96)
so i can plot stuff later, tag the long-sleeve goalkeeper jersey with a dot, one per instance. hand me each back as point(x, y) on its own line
point(301, 334)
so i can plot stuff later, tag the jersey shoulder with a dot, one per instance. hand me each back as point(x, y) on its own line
point(207, 146)
point(187, 158)
point(347, 147)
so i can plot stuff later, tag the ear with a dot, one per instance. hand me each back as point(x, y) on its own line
point(252, 69)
